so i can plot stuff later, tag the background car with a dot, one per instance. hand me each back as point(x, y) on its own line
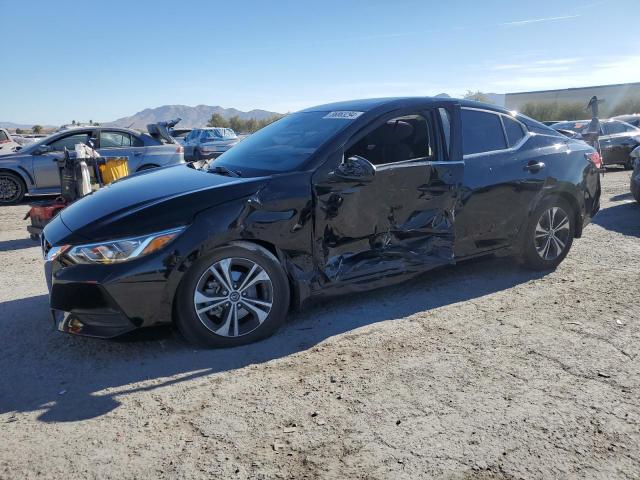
point(7, 142)
point(210, 142)
point(334, 199)
point(630, 119)
point(32, 169)
point(617, 139)
point(180, 134)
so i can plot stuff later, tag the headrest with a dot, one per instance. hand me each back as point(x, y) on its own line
point(395, 131)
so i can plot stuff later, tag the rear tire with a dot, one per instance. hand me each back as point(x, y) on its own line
point(549, 234)
point(12, 188)
point(236, 295)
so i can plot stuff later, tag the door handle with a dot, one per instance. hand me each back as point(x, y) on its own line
point(534, 166)
point(137, 154)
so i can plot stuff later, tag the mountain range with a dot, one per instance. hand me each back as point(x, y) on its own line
point(197, 116)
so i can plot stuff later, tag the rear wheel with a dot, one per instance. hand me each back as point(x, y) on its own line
point(549, 235)
point(12, 188)
point(236, 295)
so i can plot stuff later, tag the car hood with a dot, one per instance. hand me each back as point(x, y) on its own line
point(15, 155)
point(152, 200)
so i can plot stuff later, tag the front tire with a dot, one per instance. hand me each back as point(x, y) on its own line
point(12, 188)
point(236, 295)
point(549, 234)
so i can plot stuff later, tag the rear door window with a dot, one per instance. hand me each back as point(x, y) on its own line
point(114, 139)
point(514, 130)
point(445, 121)
point(481, 132)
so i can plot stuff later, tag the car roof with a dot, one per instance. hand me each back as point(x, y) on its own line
point(389, 104)
point(368, 104)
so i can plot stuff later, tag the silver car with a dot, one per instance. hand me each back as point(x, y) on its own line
point(32, 169)
point(209, 142)
point(7, 142)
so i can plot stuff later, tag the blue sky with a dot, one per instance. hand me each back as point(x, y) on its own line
point(62, 60)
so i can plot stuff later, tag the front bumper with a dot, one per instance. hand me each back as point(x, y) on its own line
point(101, 325)
point(109, 300)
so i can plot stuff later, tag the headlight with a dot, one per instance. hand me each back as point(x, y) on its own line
point(115, 251)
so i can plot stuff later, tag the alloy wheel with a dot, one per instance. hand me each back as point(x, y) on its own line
point(233, 297)
point(552, 233)
point(9, 188)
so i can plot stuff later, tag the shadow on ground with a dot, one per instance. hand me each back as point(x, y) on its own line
point(6, 245)
point(623, 218)
point(72, 378)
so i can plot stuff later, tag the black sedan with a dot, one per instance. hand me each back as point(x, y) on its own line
point(617, 139)
point(331, 200)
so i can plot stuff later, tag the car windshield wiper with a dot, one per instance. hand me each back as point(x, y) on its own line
point(221, 170)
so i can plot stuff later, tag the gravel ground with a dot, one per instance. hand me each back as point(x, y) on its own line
point(480, 371)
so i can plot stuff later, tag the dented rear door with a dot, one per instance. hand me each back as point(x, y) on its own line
point(400, 222)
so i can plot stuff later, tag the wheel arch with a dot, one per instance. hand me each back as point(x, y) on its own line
point(573, 202)
point(294, 290)
point(24, 176)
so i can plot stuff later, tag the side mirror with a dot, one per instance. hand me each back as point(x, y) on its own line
point(355, 168)
point(42, 149)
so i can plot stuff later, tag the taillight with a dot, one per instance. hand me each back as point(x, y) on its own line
point(180, 149)
point(594, 157)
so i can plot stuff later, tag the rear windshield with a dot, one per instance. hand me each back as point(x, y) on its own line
point(286, 144)
point(219, 134)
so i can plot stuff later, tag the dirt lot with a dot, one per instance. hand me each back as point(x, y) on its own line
point(481, 371)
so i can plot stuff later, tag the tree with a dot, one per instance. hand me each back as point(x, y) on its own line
point(478, 96)
point(546, 111)
point(217, 120)
point(236, 124)
point(628, 105)
point(19, 131)
point(73, 122)
point(36, 129)
point(90, 122)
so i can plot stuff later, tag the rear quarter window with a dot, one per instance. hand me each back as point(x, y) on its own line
point(514, 129)
point(481, 132)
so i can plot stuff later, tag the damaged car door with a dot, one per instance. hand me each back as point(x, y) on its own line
point(386, 204)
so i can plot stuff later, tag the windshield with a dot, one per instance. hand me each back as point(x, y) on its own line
point(284, 145)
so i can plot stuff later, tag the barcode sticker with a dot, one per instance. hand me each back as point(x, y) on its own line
point(346, 115)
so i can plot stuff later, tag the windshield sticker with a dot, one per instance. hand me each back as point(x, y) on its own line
point(346, 115)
